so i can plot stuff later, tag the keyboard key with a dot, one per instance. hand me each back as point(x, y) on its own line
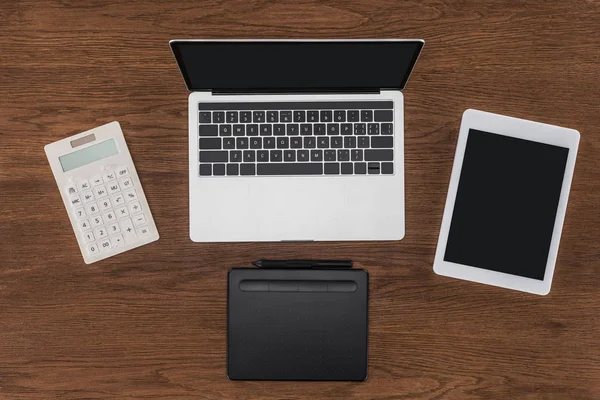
point(266, 130)
point(239, 130)
point(130, 194)
point(110, 176)
point(126, 183)
point(109, 217)
point(272, 116)
point(320, 129)
point(289, 155)
point(219, 169)
point(232, 117)
point(285, 116)
point(258, 116)
point(373, 129)
point(343, 155)
point(205, 169)
point(279, 129)
point(339, 116)
point(235, 156)
point(347, 168)
point(384, 115)
point(346, 129)
point(292, 129)
point(276, 156)
point(353, 116)
point(113, 228)
point(204, 118)
point(312, 116)
point(218, 117)
point(326, 116)
point(252, 130)
point(332, 168)
point(80, 213)
point(88, 196)
point(122, 171)
point(329, 155)
point(228, 143)
point(210, 143)
point(290, 169)
point(387, 129)
point(117, 241)
point(363, 142)
point(71, 189)
point(100, 233)
point(245, 116)
point(241, 143)
point(247, 169)
point(105, 245)
point(366, 115)
point(208, 130)
point(373, 168)
point(382, 142)
point(135, 207)
point(232, 169)
point(128, 230)
point(323, 142)
point(379, 155)
point(310, 142)
point(83, 185)
point(85, 225)
point(92, 249)
point(337, 142)
point(296, 143)
point(333, 129)
point(256, 143)
point(316, 155)
point(360, 168)
point(143, 231)
point(306, 129)
point(299, 116)
point(118, 200)
point(283, 143)
point(100, 191)
point(357, 155)
point(360, 129)
point(89, 237)
point(269, 143)
point(92, 209)
point(249, 156)
point(213, 156)
point(387, 168)
point(224, 130)
point(303, 155)
point(350, 142)
point(262, 156)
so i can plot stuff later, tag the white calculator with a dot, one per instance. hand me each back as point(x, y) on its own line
point(102, 192)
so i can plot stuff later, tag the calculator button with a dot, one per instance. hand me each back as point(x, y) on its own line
point(128, 230)
point(92, 248)
point(139, 220)
point(110, 176)
point(101, 233)
point(71, 189)
point(131, 195)
point(100, 191)
point(117, 241)
point(97, 180)
point(113, 228)
point(104, 204)
point(135, 207)
point(113, 188)
point(97, 221)
point(126, 183)
point(118, 200)
point(110, 217)
point(89, 237)
point(122, 212)
point(92, 208)
point(75, 200)
point(80, 213)
point(105, 245)
point(83, 185)
point(123, 171)
point(85, 225)
point(87, 196)
point(144, 231)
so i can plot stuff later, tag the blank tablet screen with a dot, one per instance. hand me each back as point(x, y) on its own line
point(506, 204)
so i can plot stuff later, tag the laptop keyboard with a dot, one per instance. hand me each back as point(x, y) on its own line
point(296, 138)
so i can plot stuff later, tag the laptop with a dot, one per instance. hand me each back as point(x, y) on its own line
point(296, 140)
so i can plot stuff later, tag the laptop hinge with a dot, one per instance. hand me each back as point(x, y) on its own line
point(295, 91)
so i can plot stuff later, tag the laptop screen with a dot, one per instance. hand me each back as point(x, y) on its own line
point(294, 65)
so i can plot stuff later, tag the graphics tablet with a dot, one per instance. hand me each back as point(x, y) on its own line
point(506, 202)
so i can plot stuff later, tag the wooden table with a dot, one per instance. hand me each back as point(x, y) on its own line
point(151, 323)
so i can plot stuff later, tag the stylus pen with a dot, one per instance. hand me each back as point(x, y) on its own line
point(324, 264)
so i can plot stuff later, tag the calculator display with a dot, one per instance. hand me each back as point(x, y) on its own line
point(88, 155)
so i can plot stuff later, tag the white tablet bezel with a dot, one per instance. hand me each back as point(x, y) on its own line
point(522, 129)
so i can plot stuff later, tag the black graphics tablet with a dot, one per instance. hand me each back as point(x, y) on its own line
point(297, 324)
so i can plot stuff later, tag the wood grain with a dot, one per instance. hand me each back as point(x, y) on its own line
point(151, 323)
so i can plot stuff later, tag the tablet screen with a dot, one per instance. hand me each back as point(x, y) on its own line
point(506, 204)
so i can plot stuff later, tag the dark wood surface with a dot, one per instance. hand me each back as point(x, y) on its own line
point(150, 323)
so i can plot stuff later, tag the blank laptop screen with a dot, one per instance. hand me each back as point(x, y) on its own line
point(295, 65)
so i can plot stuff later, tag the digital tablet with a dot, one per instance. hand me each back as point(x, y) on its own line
point(506, 203)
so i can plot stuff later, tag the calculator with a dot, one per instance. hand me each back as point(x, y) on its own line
point(102, 192)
